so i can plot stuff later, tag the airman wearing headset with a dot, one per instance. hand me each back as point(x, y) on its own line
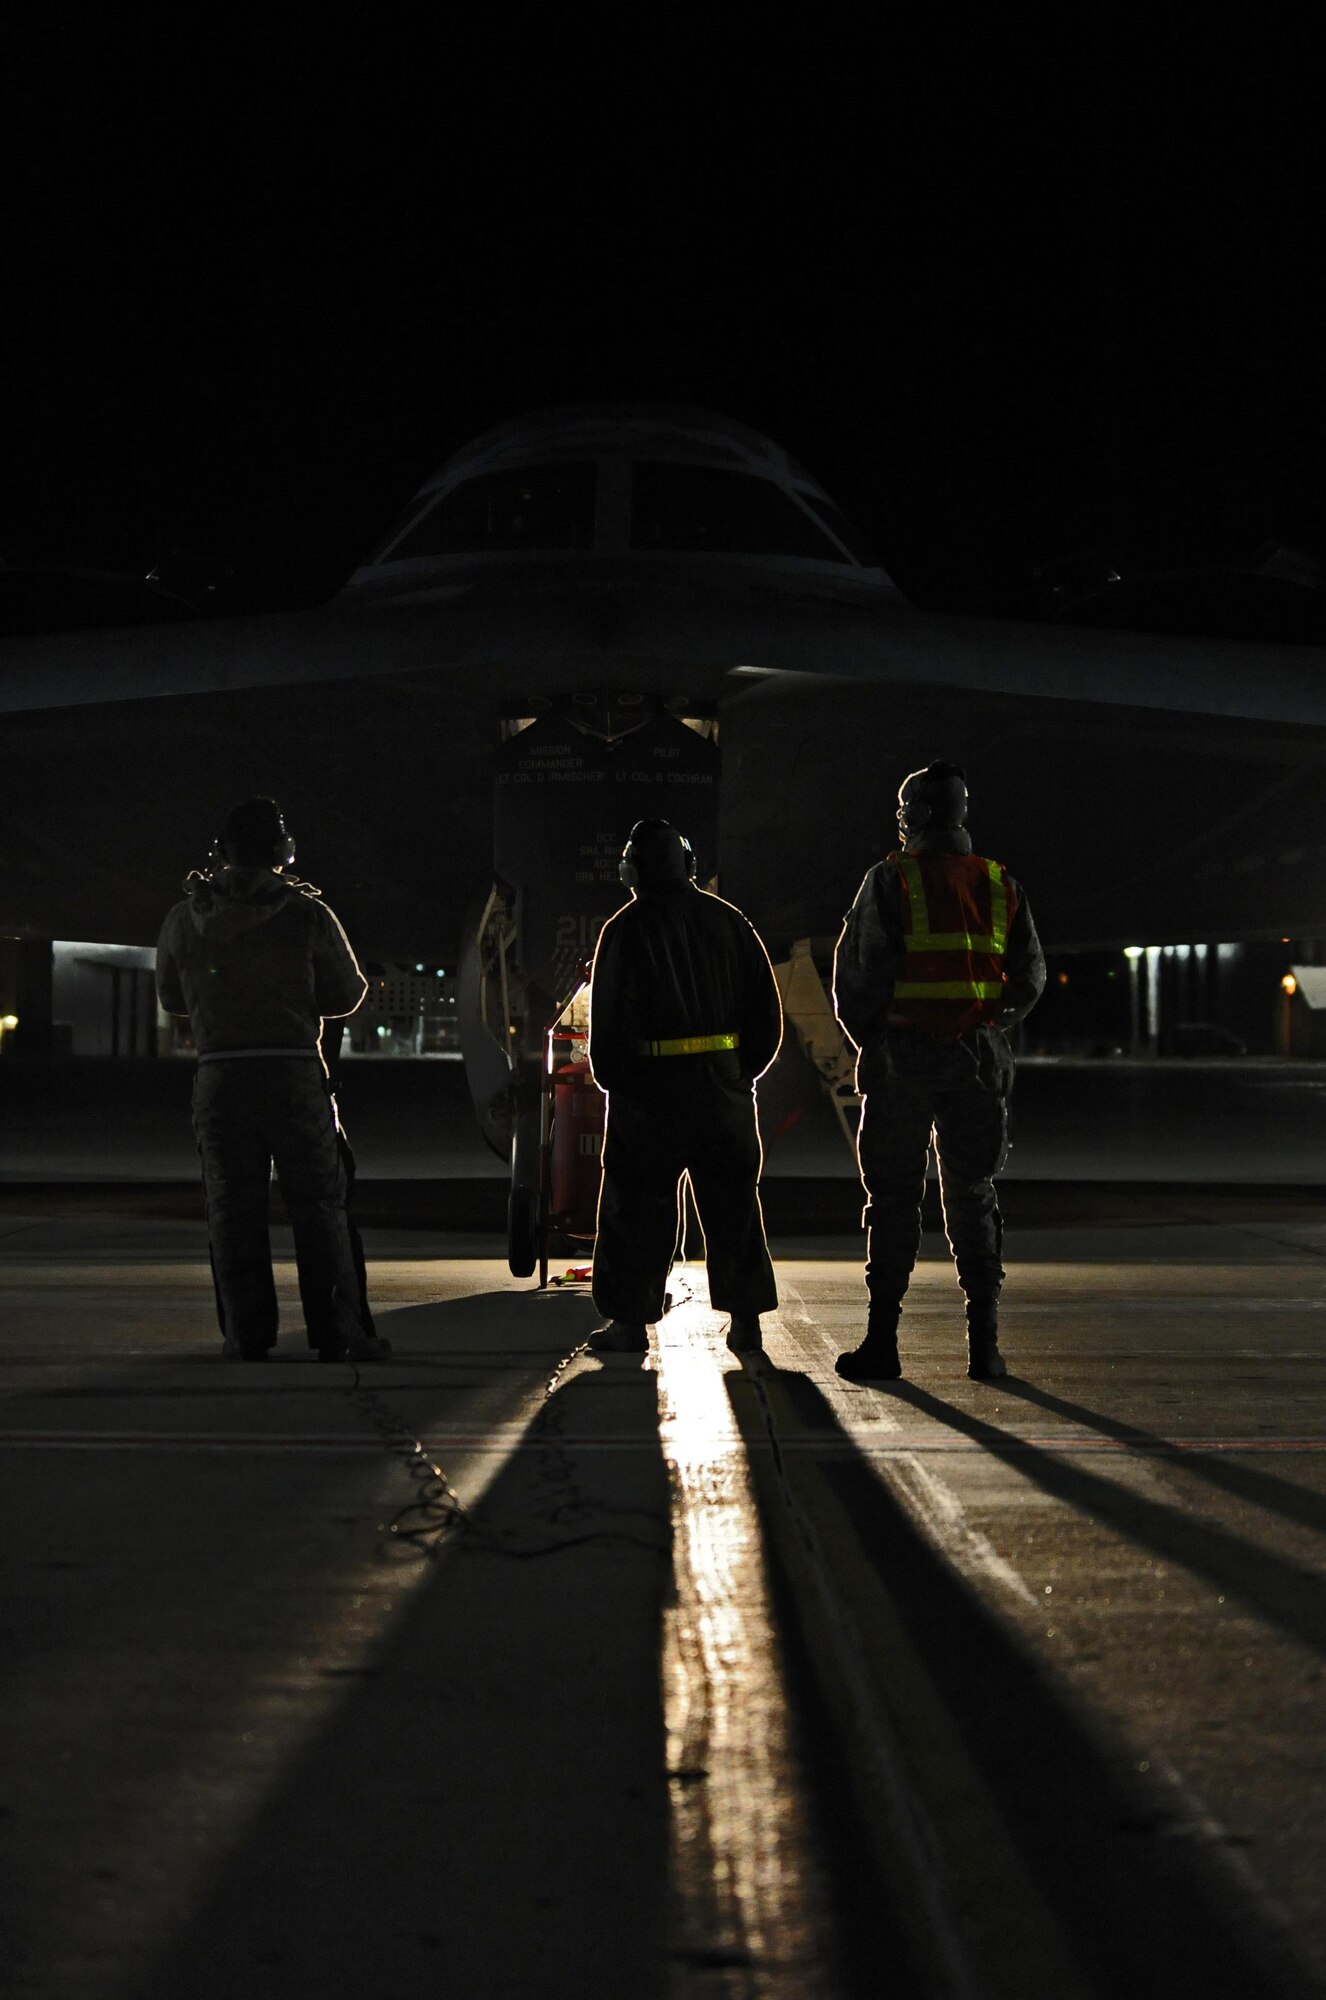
point(257, 961)
point(684, 1017)
point(937, 960)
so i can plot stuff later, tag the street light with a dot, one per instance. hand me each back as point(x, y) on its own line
point(1133, 954)
point(1289, 987)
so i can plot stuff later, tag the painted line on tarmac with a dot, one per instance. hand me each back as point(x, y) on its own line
point(904, 1447)
point(1147, 1302)
point(897, 1446)
point(930, 1500)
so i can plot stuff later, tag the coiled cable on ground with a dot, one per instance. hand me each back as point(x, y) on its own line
point(425, 1522)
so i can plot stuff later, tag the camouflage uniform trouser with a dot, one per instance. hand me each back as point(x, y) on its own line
point(247, 1113)
point(916, 1087)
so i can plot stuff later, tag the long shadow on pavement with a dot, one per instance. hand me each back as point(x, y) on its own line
point(1106, 1849)
point(1243, 1482)
point(1267, 1583)
point(487, 1813)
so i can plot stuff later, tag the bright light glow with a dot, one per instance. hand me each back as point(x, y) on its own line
point(1133, 950)
point(722, 1678)
point(8, 1021)
point(1289, 983)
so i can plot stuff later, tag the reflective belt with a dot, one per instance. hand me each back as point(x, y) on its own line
point(690, 1045)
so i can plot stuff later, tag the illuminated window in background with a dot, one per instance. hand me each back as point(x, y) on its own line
point(705, 509)
point(543, 507)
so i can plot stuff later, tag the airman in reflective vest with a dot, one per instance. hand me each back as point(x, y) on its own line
point(938, 958)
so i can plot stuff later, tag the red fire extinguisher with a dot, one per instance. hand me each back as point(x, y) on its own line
point(578, 1107)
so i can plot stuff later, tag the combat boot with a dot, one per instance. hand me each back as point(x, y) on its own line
point(620, 1336)
point(984, 1361)
point(357, 1346)
point(744, 1334)
point(876, 1359)
point(346, 1338)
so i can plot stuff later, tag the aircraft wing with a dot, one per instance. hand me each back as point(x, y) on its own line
point(688, 629)
point(377, 725)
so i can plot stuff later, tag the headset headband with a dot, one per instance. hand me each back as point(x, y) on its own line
point(279, 842)
point(648, 833)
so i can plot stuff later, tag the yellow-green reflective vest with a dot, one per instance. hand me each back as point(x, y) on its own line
point(956, 909)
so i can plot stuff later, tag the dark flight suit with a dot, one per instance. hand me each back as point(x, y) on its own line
point(947, 1071)
point(679, 965)
point(257, 961)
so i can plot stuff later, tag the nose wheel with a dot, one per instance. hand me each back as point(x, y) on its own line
point(523, 1232)
point(526, 1200)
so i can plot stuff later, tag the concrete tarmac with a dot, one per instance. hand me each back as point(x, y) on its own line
point(497, 1670)
point(1233, 1123)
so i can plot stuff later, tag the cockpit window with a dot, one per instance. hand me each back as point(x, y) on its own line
point(543, 507)
point(705, 508)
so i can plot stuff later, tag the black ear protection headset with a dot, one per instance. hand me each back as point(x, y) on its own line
point(939, 792)
point(283, 848)
point(645, 842)
point(281, 853)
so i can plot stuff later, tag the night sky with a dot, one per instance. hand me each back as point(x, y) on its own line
point(1009, 298)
